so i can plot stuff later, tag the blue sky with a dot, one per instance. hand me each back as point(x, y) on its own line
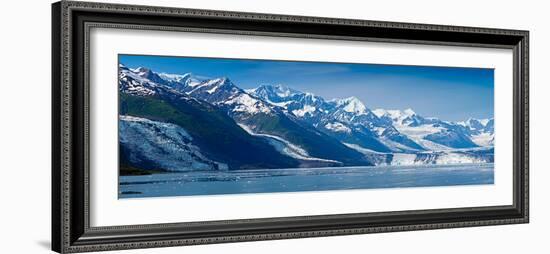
point(449, 93)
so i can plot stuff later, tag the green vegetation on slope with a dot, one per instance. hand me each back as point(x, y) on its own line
point(218, 136)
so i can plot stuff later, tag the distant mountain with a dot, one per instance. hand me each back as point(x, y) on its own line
point(431, 133)
point(276, 126)
point(348, 120)
point(299, 104)
point(482, 131)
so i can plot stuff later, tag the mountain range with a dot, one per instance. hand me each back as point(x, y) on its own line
point(184, 122)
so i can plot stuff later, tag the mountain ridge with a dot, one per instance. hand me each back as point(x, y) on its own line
point(303, 125)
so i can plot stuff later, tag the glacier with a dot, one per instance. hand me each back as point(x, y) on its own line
point(286, 147)
point(158, 145)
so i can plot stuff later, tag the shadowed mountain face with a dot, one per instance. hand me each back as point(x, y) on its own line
point(188, 123)
point(214, 133)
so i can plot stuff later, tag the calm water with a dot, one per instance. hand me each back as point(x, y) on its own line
point(313, 179)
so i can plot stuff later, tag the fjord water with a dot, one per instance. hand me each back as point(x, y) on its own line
point(296, 180)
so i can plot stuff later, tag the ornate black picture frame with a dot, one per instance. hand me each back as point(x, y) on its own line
point(71, 230)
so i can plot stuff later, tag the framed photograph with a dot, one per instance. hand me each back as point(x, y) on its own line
point(182, 126)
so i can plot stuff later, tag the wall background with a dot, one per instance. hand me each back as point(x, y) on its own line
point(25, 125)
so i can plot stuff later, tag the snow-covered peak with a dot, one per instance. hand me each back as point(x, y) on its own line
point(276, 93)
point(148, 74)
point(407, 117)
point(244, 103)
point(216, 84)
point(224, 81)
point(132, 83)
point(379, 112)
point(409, 112)
point(284, 91)
point(485, 125)
point(394, 114)
point(476, 124)
point(481, 130)
point(175, 77)
point(473, 124)
point(483, 122)
point(219, 82)
point(142, 71)
point(212, 87)
point(352, 105)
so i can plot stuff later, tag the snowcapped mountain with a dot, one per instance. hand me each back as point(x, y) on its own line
point(352, 105)
point(176, 78)
point(292, 128)
point(352, 110)
point(132, 83)
point(406, 117)
point(146, 73)
point(431, 133)
point(379, 130)
point(354, 113)
point(215, 134)
point(262, 121)
point(222, 92)
point(275, 94)
point(482, 131)
point(299, 104)
point(348, 120)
